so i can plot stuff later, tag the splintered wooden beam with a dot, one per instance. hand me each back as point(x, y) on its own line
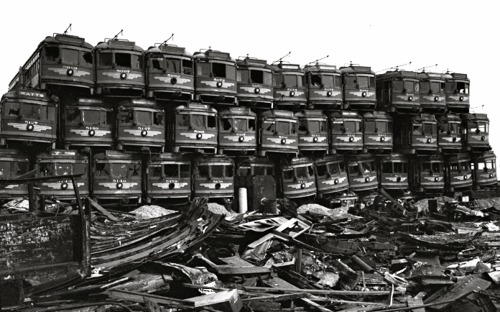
point(144, 297)
point(227, 300)
point(108, 214)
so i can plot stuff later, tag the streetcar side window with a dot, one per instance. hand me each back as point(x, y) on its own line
point(212, 122)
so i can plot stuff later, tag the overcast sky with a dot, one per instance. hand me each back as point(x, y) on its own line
point(460, 36)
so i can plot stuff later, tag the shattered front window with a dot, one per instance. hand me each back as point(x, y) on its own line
point(51, 54)
point(288, 174)
point(73, 115)
point(335, 168)
point(203, 171)
point(123, 60)
point(32, 111)
point(256, 76)
point(387, 167)
point(354, 169)
point(316, 81)
point(350, 82)
point(46, 169)
point(133, 170)
point(269, 126)
point(417, 129)
point(185, 171)
point(171, 171)
point(321, 170)
point(462, 87)
point(240, 124)
point(187, 67)
point(156, 63)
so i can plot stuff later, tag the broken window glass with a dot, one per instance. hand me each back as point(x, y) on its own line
point(212, 122)
point(203, 171)
point(387, 167)
point(316, 81)
point(269, 126)
point(52, 54)
point(73, 115)
point(219, 70)
point(171, 171)
point(187, 67)
point(87, 58)
point(256, 76)
point(123, 60)
point(321, 170)
point(288, 174)
point(157, 63)
point(185, 171)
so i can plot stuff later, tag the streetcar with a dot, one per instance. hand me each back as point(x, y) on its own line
point(359, 87)
point(117, 176)
point(324, 86)
point(169, 73)
point(168, 178)
point(237, 131)
point(416, 134)
point(213, 177)
point(377, 132)
point(13, 164)
point(28, 116)
point(398, 91)
point(346, 132)
point(450, 133)
point(393, 172)
point(140, 123)
point(484, 170)
point(297, 179)
point(119, 68)
point(426, 174)
point(456, 88)
point(289, 86)
point(61, 163)
point(215, 77)
point(313, 131)
point(87, 122)
point(331, 175)
point(60, 62)
point(458, 172)
point(475, 132)
point(191, 127)
point(362, 173)
point(432, 96)
point(255, 83)
point(277, 132)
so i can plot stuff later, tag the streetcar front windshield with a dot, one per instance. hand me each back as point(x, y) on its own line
point(143, 118)
point(69, 56)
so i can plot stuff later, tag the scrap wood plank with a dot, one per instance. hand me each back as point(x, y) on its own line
point(281, 283)
point(102, 210)
point(226, 300)
point(416, 302)
point(145, 297)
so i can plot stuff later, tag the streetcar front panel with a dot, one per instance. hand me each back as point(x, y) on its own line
point(346, 132)
point(119, 68)
point(237, 130)
point(61, 163)
point(331, 175)
point(484, 170)
point(377, 132)
point(359, 87)
point(449, 134)
point(457, 92)
point(213, 177)
point(313, 131)
point(430, 175)
point(169, 73)
point(289, 87)
point(393, 172)
point(215, 77)
point(255, 83)
point(12, 165)
point(88, 122)
point(278, 132)
point(476, 129)
point(117, 176)
point(398, 91)
point(362, 174)
point(169, 177)
point(192, 127)
point(28, 116)
point(459, 173)
point(432, 96)
point(324, 87)
point(297, 179)
point(140, 124)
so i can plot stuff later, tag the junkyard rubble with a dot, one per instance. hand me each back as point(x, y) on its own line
point(431, 255)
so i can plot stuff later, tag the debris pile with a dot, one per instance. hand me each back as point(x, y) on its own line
point(307, 258)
